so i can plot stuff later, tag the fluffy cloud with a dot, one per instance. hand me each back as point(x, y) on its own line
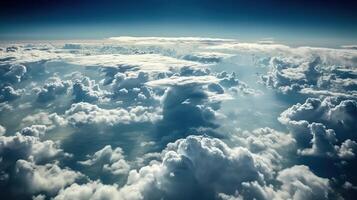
point(109, 160)
point(26, 147)
point(49, 178)
point(2, 130)
point(272, 146)
point(27, 165)
point(8, 93)
point(91, 190)
point(205, 168)
point(300, 183)
point(186, 107)
point(88, 114)
point(334, 113)
point(316, 121)
point(158, 90)
point(54, 86)
point(310, 77)
point(290, 76)
point(34, 130)
point(143, 62)
point(12, 73)
point(51, 121)
point(87, 90)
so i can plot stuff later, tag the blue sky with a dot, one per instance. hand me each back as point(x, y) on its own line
point(326, 23)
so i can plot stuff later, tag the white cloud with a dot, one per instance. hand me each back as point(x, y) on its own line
point(2, 130)
point(54, 86)
point(90, 191)
point(110, 160)
point(143, 62)
point(26, 147)
point(49, 178)
point(299, 183)
point(88, 114)
point(34, 130)
point(198, 165)
point(8, 93)
point(51, 121)
point(183, 80)
point(87, 90)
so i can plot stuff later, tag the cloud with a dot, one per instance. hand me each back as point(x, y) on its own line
point(26, 147)
point(12, 73)
point(51, 121)
point(297, 183)
point(34, 130)
point(329, 56)
point(28, 165)
point(315, 123)
point(334, 113)
point(205, 167)
point(288, 77)
point(183, 80)
point(300, 183)
point(143, 62)
point(272, 146)
point(8, 93)
point(322, 141)
point(49, 178)
point(198, 165)
point(207, 57)
point(167, 40)
point(140, 93)
point(88, 114)
point(92, 190)
point(87, 90)
point(2, 130)
point(109, 160)
point(186, 107)
point(54, 86)
point(293, 75)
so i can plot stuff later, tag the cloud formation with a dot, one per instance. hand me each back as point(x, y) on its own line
point(176, 118)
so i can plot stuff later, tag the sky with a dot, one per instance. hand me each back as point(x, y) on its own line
point(323, 23)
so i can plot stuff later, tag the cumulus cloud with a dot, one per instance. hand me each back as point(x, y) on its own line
point(88, 114)
point(12, 73)
point(87, 90)
point(49, 178)
point(28, 147)
point(28, 165)
point(142, 92)
point(207, 168)
point(334, 113)
point(54, 86)
point(292, 75)
point(272, 146)
point(300, 183)
point(8, 93)
point(51, 121)
point(92, 190)
point(315, 123)
point(109, 160)
point(34, 130)
point(2, 130)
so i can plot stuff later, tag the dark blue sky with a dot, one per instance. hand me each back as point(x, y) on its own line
point(301, 21)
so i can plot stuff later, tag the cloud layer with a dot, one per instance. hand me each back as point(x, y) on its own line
point(177, 118)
